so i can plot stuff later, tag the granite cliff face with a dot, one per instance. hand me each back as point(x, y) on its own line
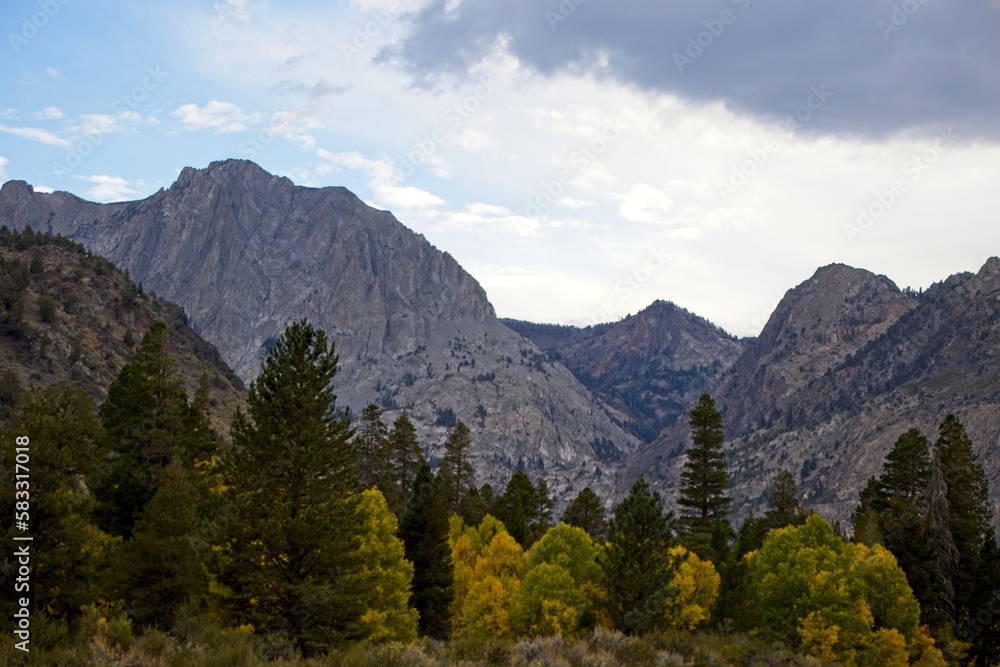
point(846, 363)
point(649, 366)
point(245, 253)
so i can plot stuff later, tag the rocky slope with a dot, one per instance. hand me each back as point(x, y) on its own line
point(68, 315)
point(245, 253)
point(649, 366)
point(846, 363)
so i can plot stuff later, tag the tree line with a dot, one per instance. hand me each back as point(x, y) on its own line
point(317, 530)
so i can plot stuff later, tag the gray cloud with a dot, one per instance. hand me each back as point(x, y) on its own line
point(891, 65)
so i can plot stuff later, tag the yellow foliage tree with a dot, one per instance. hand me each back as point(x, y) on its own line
point(697, 584)
point(491, 583)
point(386, 575)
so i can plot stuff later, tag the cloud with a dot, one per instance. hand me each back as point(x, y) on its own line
point(3, 168)
point(36, 134)
point(644, 203)
point(49, 113)
point(216, 116)
point(384, 180)
point(109, 188)
point(241, 10)
point(106, 123)
point(54, 73)
point(892, 66)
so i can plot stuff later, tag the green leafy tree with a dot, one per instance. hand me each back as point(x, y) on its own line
point(833, 600)
point(290, 549)
point(147, 421)
point(457, 473)
point(703, 496)
point(386, 575)
point(562, 585)
point(424, 531)
point(405, 458)
point(586, 511)
point(638, 566)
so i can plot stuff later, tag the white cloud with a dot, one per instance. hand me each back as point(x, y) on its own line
point(109, 188)
point(49, 113)
point(36, 134)
point(106, 123)
point(215, 116)
point(384, 180)
point(3, 168)
point(44, 189)
point(644, 203)
point(54, 73)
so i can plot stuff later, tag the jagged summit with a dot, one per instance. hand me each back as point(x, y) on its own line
point(246, 252)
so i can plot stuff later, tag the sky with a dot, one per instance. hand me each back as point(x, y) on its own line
point(580, 158)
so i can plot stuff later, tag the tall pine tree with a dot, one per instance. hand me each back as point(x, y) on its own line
point(405, 458)
point(457, 472)
point(424, 531)
point(586, 512)
point(703, 497)
point(289, 558)
point(372, 442)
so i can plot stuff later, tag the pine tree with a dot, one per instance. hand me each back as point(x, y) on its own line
point(289, 557)
point(372, 442)
point(586, 512)
point(907, 471)
point(405, 458)
point(704, 481)
point(424, 531)
point(161, 568)
point(147, 420)
point(525, 508)
point(457, 472)
point(638, 566)
point(982, 628)
point(968, 507)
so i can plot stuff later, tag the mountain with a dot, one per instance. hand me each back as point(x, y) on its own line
point(648, 367)
point(847, 363)
point(69, 315)
point(245, 253)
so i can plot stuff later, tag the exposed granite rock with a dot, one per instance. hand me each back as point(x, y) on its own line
point(246, 253)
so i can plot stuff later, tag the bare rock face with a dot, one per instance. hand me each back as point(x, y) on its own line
point(847, 363)
point(246, 253)
point(649, 366)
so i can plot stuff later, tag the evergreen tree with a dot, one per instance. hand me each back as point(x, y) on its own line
point(69, 553)
point(638, 566)
point(457, 473)
point(161, 568)
point(289, 558)
point(586, 512)
point(704, 482)
point(372, 442)
point(424, 531)
point(525, 508)
point(147, 420)
point(968, 508)
point(907, 471)
point(405, 458)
